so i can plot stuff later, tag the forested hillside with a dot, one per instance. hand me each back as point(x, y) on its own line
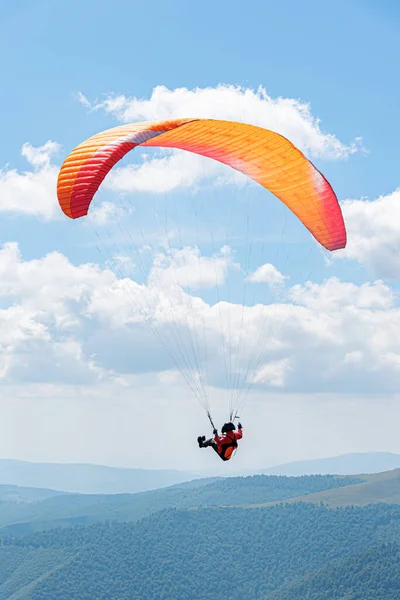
point(65, 510)
point(371, 575)
point(381, 487)
point(194, 554)
point(15, 494)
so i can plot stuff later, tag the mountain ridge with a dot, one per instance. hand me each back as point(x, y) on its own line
point(342, 464)
point(85, 478)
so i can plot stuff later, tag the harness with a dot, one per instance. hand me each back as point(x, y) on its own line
point(224, 453)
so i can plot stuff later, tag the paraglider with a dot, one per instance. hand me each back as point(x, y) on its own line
point(263, 155)
point(226, 444)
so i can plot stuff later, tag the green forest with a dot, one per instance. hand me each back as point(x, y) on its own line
point(255, 551)
point(72, 509)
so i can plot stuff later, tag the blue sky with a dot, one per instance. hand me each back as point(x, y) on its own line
point(337, 65)
point(341, 59)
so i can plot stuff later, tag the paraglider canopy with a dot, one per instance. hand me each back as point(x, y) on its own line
point(263, 155)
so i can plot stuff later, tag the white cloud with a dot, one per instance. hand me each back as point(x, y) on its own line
point(40, 156)
point(72, 322)
point(373, 233)
point(107, 212)
point(186, 268)
point(41, 322)
point(347, 333)
point(172, 170)
point(292, 118)
point(32, 192)
point(62, 322)
point(335, 294)
point(273, 373)
point(83, 100)
point(267, 273)
point(356, 357)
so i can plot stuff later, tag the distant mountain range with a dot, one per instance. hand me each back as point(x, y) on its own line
point(87, 479)
point(95, 479)
point(346, 464)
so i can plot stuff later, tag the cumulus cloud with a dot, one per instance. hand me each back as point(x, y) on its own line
point(267, 274)
point(172, 170)
point(273, 373)
point(81, 324)
point(292, 118)
point(32, 192)
point(40, 157)
point(336, 294)
point(347, 333)
point(373, 229)
point(106, 213)
point(41, 320)
point(186, 268)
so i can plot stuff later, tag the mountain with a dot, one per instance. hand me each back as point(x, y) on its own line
point(370, 575)
point(97, 479)
point(71, 509)
point(382, 487)
point(298, 551)
point(27, 510)
point(346, 464)
point(87, 479)
point(23, 495)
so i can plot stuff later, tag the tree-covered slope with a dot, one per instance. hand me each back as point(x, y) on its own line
point(65, 510)
point(17, 494)
point(381, 487)
point(194, 554)
point(22, 568)
point(372, 575)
